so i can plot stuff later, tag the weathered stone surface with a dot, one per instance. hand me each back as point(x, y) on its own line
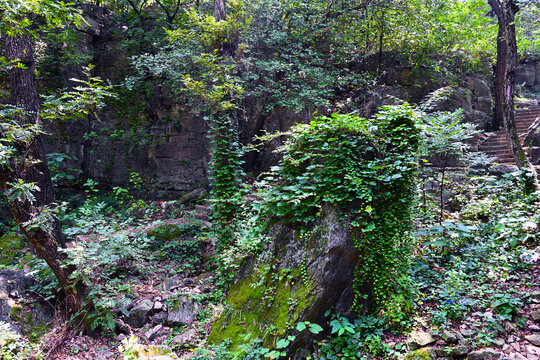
point(171, 283)
point(535, 297)
point(184, 310)
point(421, 354)
point(154, 332)
point(328, 266)
point(418, 339)
point(451, 337)
point(526, 74)
point(533, 339)
point(501, 169)
point(484, 354)
point(456, 351)
point(159, 318)
point(185, 338)
point(23, 314)
point(140, 313)
point(536, 315)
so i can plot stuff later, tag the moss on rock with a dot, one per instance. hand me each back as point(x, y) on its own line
point(264, 309)
point(421, 354)
point(10, 244)
point(34, 321)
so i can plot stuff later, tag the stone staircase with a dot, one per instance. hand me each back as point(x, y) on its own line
point(498, 146)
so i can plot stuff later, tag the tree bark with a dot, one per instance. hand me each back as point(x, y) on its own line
point(507, 62)
point(46, 242)
point(219, 10)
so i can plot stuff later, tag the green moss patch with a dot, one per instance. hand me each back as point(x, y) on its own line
point(263, 310)
point(10, 245)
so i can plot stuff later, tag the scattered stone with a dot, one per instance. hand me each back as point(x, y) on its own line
point(158, 306)
point(104, 355)
point(121, 327)
point(188, 282)
point(120, 337)
point(418, 339)
point(467, 333)
point(159, 318)
point(484, 354)
point(455, 351)
point(192, 196)
point(534, 350)
point(133, 280)
point(451, 337)
point(421, 354)
point(533, 339)
point(506, 348)
point(185, 338)
point(171, 284)
point(536, 315)
point(154, 333)
point(501, 169)
point(535, 297)
point(498, 343)
point(139, 315)
point(517, 356)
point(515, 346)
point(183, 311)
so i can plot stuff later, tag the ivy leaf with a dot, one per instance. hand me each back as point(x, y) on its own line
point(282, 343)
point(315, 328)
point(301, 326)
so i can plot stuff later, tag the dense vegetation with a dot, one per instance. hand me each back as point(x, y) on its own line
point(291, 95)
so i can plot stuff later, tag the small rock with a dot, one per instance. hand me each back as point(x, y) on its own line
point(506, 348)
point(501, 169)
point(467, 333)
point(421, 354)
point(536, 316)
point(183, 311)
point(188, 282)
point(535, 297)
point(138, 316)
point(451, 337)
point(121, 327)
point(185, 338)
point(133, 280)
point(533, 339)
point(484, 354)
point(171, 283)
point(533, 350)
point(498, 343)
point(515, 346)
point(517, 356)
point(154, 333)
point(104, 355)
point(159, 318)
point(120, 337)
point(158, 306)
point(455, 351)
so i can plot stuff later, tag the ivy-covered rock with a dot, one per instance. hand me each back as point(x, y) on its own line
point(338, 207)
point(299, 283)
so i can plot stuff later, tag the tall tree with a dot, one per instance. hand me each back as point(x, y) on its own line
point(505, 75)
point(26, 168)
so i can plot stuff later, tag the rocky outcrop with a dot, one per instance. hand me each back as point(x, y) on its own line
point(21, 312)
point(300, 282)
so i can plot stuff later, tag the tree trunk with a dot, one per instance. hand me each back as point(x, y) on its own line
point(507, 61)
point(46, 241)
point(219, 10)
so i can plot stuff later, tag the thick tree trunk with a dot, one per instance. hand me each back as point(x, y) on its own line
point(219, 10)
point(507, 61)
point(46, 240)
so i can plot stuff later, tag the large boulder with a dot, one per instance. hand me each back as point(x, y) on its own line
point(301, 283)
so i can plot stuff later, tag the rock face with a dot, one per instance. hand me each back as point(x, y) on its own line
point(305, 283)
point(184, 310)
point(23, 314)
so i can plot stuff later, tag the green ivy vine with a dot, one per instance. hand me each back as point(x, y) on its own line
point(364, 167)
